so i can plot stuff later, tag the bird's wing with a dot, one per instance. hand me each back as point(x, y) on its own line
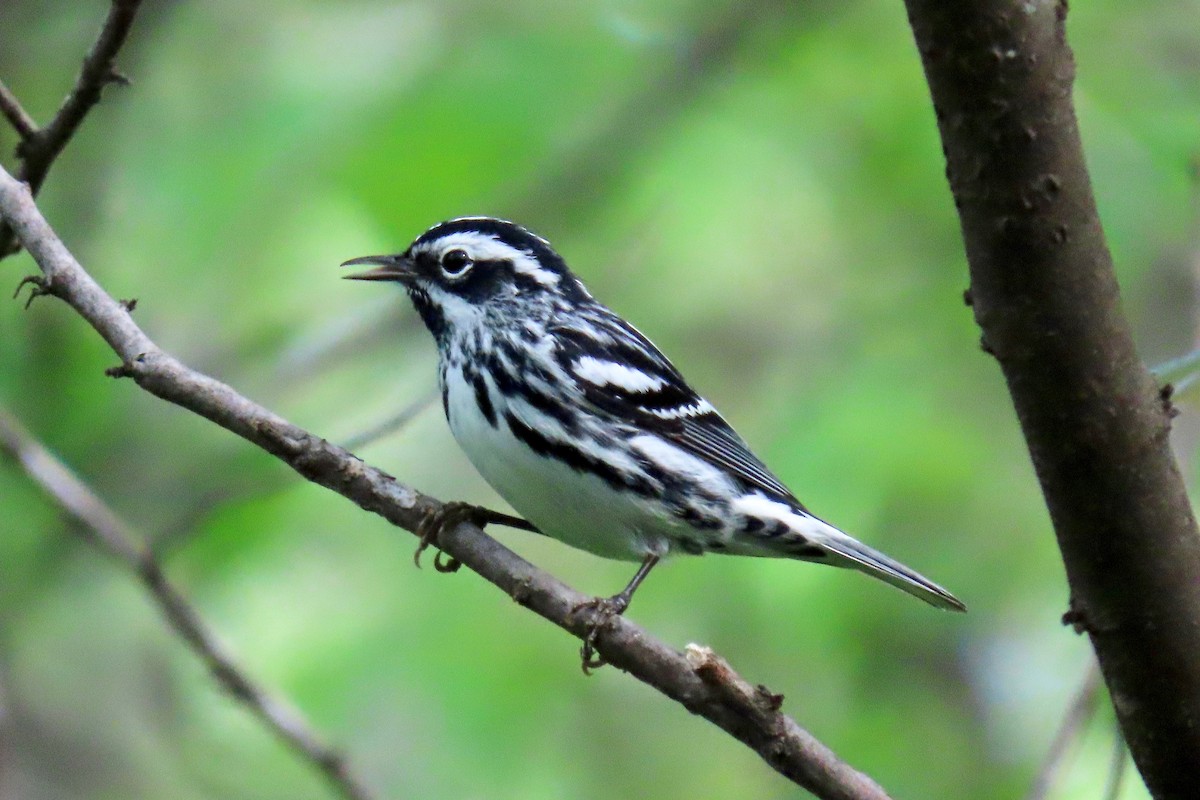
point(620, 372)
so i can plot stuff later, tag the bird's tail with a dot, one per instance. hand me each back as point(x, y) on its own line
point(845, 551)
point(787, 530)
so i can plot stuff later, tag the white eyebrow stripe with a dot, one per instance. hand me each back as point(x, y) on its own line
point(484, 247)
point(609, 373)
point(493, 220)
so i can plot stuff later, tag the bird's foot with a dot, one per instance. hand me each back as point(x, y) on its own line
point(449, 516)
point(606, 609)
point(603, 611)
point(445, 518)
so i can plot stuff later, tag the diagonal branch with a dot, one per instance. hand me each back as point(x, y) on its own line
point(393, 423)
point(707, 687)
point(40, 147)
point(1070, 731)
point(564, 191)
point(1116, 768)
point(16, 114)
point(1096, 422)
point(206, 503)
point(114, 537)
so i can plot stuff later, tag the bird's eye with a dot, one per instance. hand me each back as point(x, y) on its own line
point(455, 263)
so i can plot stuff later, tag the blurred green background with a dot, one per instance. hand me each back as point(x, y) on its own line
point(759, 187)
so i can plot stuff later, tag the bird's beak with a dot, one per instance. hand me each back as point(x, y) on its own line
point(387, 268)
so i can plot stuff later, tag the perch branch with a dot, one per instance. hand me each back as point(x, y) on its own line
point(1097, 425)
point(115, 538)
point(783, 744)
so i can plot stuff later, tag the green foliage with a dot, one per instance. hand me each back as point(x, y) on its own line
point(783, 230)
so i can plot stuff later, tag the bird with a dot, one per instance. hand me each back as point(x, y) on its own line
point(586, 429)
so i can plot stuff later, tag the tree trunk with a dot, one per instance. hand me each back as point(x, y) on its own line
point(1097, 425)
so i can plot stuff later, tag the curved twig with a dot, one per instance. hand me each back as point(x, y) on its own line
point(115, 538)
point(1074, 724)
point(41, 146)
point(708, 688)
point(16, 115)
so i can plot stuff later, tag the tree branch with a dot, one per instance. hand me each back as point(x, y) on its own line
point(115, 538)
point(1097, 425)
point(16, 115)
point(712, 692)
point(40, 147)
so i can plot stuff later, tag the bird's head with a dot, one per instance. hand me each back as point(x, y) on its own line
point(458, 271)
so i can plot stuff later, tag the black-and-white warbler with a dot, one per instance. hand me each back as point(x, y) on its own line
point(585, 428)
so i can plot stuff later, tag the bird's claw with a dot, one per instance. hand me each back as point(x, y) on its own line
point(445, 563)
point(603, 610)
point(448, 517)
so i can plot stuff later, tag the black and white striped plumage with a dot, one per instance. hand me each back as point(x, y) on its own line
point(584, 427)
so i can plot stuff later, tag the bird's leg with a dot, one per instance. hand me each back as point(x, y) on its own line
point(449, 516)
point(604, 609)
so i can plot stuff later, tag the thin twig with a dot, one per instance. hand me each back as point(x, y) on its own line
point(198, 509)
point(99, 70)
point(391, 424)
point(782, 743)
point(114, 537)
point(16, 115)
point(1117, 767)
point(1075, 721)
point(40, 148)
point(564, 190)
point(339, 339)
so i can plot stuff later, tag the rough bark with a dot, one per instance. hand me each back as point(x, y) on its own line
point(1097, 425)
